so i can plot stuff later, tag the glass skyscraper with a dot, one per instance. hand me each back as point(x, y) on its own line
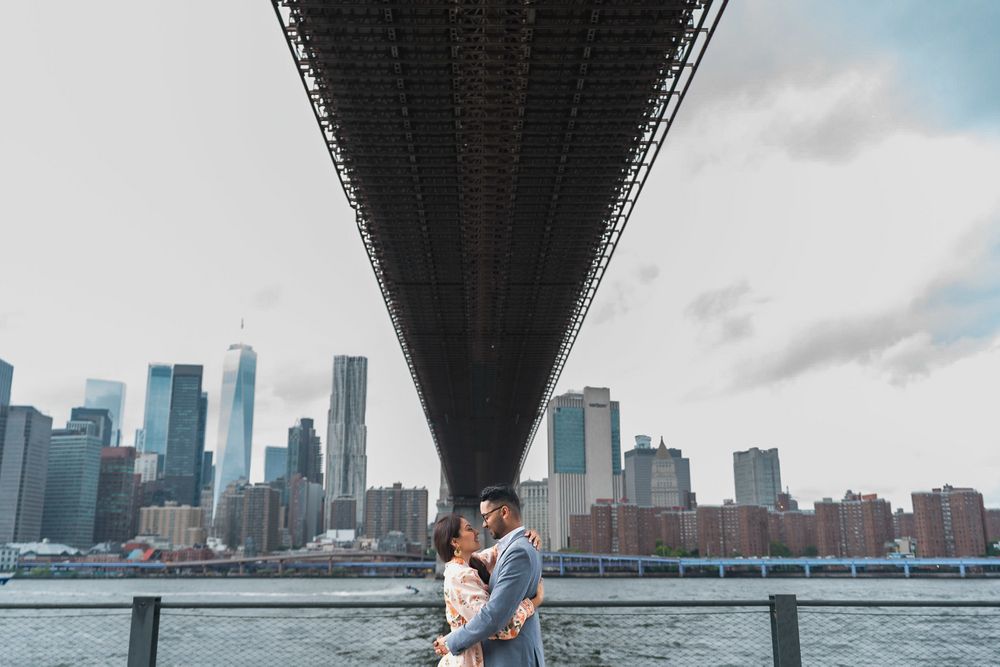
point(108, 395)
point(102, 421)
point(71, 485)
point(585, 465)
point(232, 449)
point(757, 475)
point(185, 435)
point(275, 463)
point(304, 455)
point(6, 379)
point(157, 416)
point(24, 459)
point(347, 435)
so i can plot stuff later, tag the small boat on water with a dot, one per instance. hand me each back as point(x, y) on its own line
point(5, 577)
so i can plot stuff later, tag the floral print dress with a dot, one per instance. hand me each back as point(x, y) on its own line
point(464, 595)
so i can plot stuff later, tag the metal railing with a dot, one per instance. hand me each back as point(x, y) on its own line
point(781, 631)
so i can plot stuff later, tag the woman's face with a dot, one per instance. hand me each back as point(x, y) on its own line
point(467, 540)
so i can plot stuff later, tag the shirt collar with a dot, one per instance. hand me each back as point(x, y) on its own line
point(507, 539)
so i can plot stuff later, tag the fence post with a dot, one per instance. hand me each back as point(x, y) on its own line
point(145, 631)
point(785, 631)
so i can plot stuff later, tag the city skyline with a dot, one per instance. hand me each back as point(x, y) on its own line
point(735, 325)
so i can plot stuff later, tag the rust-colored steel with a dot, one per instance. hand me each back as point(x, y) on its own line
point(492, 152)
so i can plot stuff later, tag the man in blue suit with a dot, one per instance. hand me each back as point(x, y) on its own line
point(515, 577)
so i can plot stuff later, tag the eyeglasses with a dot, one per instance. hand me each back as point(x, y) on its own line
point(487, 515)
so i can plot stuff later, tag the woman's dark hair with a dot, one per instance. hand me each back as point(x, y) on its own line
point(446, 529)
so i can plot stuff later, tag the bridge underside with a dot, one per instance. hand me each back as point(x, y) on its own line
point(492, 152)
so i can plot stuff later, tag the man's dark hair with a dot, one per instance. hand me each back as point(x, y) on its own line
point(502, 494)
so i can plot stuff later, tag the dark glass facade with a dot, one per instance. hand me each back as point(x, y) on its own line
point(185, 435)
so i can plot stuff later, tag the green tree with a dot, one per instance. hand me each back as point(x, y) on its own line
point(779, 550)
point(810, 552)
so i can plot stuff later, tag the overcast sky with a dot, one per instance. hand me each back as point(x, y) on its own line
point(814, 265)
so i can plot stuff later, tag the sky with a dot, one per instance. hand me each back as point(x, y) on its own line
point(814, 264)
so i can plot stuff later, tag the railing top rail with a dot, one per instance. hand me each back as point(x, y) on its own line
point(898, 603)
point(65, 605)
point(551, 604)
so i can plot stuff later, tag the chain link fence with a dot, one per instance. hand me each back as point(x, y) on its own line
point(904, 636)
point(85, 637)
point(718, 633)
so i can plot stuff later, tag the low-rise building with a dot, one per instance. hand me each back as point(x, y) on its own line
point(180, 524)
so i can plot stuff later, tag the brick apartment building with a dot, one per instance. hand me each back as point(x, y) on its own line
point(950, 522)
point(859, 526)
point(903, 524)
point(795, 529)
point(732, 530)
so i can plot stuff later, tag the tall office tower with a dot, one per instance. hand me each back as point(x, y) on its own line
point(156, 419)
point(182, 467)
point(389, 509)
point(227, 520)
point(304, 454)
point(239, 379)
point(305, 510)
point(857, 526)
point(6, 379)
point(639, 472)
point(202, 428)
point(758, 477)
point(207, 472)
point(534, 497)
point(145, 467)
point(100, 418)
point(261, 506)
point(671, 479)
point(71, 485)
point(206, 506)
point(24, 459)
point(275, 463)
point(584, 456)
point(117, 496)
point(108, 395)
point(950, 522)
point(346, 433)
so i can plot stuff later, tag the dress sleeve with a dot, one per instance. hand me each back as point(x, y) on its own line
point(468, 595)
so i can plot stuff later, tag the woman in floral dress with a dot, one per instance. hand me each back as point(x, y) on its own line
point(466, 575)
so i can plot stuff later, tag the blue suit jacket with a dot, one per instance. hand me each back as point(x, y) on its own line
point(515, 577)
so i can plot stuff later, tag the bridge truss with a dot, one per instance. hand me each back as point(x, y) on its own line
point(493, 151)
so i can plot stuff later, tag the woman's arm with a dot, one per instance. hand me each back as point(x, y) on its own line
point(468, 595)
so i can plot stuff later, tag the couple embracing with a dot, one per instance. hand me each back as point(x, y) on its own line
point(491, 595)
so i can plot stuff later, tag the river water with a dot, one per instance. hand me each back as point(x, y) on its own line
point(586, 635)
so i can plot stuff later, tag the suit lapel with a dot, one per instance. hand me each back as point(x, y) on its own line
point(501, 559)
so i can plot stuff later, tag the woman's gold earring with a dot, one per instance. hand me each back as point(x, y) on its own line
point(458, 552)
